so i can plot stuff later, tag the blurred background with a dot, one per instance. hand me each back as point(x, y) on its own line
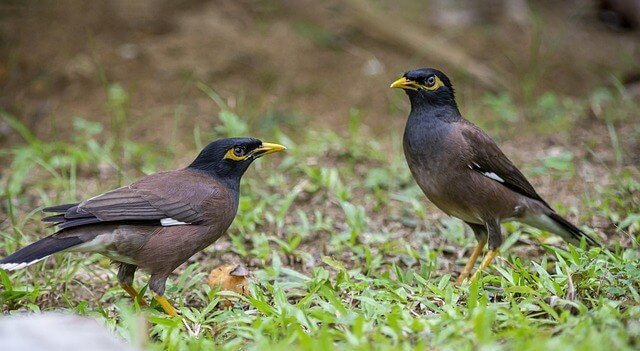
point(299, 63)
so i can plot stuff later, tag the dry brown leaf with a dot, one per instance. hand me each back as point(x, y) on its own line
point(229, 277)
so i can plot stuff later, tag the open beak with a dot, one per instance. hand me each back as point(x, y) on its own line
point(404, 83)
point(267, 148)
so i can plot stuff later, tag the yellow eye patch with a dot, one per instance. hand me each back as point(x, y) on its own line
point(438, 83)
point(231, 155)
point(405, 83)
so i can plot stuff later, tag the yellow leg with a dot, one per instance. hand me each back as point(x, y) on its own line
point(472, 260)
point(166, 306)
point(485, 263)
point(133, 293)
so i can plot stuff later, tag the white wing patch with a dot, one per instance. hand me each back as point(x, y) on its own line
point(490, 175)
point(167, 222)
point(493, 176)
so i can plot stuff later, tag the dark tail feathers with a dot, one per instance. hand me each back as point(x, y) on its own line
point(59, 208)
point(37, 251)
point(572, 229)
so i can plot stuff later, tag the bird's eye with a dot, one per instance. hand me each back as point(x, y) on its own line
point(431, 81)
point(239, 151)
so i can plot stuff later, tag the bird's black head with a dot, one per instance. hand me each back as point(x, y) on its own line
point(427, 86)
point(228, 159)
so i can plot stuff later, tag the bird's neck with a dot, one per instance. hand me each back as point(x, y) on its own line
point(231, 182)
point(435, 106)
point(427, 127)
point(425, 112)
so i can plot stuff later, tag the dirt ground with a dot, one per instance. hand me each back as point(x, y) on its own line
point(300, 61)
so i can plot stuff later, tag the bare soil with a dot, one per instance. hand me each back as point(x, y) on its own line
point(304, 59)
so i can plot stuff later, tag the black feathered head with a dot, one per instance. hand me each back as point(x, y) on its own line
point(427, 86)
point(228, 159)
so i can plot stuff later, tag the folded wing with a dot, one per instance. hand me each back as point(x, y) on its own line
point(488, 159)
point(148, 201)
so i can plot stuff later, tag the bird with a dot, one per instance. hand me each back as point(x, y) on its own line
point(463, 172)
point(156, 223)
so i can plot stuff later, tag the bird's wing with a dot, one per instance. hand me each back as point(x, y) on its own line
point(487, 159)
point(135, 203)
point(158, 198)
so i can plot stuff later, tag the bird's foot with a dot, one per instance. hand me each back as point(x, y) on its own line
point(472, 260)
point(134, 294)
point(166, 306)
point(485, 263)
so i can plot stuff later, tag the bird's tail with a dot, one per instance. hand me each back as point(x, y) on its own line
point(555, 223)
point(38, 251)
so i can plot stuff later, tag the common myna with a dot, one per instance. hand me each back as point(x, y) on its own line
point(464, 173)
point(156, 223)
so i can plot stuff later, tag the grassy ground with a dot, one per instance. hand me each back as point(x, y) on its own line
point(345, 251)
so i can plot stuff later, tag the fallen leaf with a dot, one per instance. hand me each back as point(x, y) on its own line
point(229, 277)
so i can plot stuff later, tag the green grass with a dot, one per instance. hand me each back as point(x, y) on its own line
point(345, 251)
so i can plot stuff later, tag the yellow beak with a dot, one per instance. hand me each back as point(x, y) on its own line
point(404, 83)
point(267, 148)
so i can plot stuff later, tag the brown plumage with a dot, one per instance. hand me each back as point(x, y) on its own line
point(464, 173)
point(156, 223)
point(457, 183)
